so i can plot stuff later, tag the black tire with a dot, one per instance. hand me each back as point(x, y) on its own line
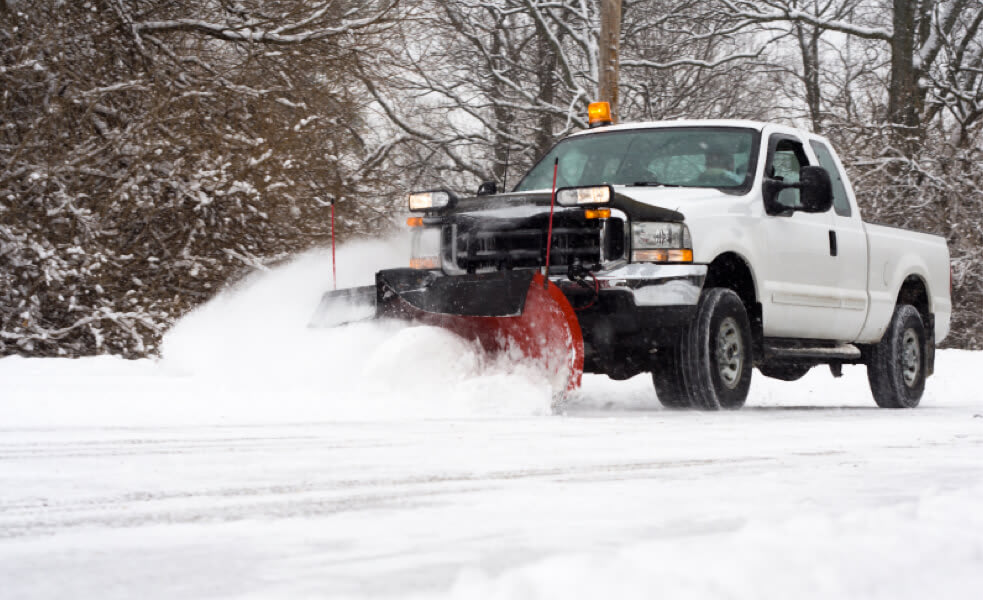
point(896, 364)
point(716, 352)
point(667, 376)
point(785, 372)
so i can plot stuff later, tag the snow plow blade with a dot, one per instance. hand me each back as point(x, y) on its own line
point(509, 313)
point(340, 307)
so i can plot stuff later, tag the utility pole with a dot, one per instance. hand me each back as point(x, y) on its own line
point(609, 43)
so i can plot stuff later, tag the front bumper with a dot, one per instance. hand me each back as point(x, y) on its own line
point(646, 285)
point(638, 309)
point(655, 285)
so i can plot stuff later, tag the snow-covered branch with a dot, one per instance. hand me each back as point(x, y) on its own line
point(787, 10)
point(304, 30)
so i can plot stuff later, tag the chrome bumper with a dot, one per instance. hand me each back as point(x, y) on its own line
point(655, 285)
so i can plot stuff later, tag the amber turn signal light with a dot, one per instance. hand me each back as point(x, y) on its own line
point(601, 213)
point(415, 221)
point(599, 114)
point(425, 262)
point(684, 255)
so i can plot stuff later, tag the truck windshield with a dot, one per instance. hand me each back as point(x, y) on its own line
point(711, 157)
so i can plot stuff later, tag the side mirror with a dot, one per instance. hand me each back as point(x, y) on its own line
point(815, 192)
point(816, 189)
point(487, 188)
point(770, 188)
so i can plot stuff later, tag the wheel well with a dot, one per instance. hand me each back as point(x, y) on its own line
point(914, 292)
point(731, 271)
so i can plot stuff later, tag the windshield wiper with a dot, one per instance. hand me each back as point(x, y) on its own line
point(655, 184)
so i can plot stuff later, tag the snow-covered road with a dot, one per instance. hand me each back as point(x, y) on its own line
point(260, 459)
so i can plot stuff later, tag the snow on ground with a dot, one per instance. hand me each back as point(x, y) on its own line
point(263, 459)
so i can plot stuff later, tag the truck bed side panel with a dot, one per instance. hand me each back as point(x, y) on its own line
point(896, 254)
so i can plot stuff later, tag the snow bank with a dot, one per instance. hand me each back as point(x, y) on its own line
point(249, 357)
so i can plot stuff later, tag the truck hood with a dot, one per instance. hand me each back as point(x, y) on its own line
point(691, 203)
point(638, 203)
point(643, 203)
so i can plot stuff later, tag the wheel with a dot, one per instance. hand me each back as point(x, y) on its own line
point(716, 352)
point(790, 372)
point(896, 365)
point(668, 379)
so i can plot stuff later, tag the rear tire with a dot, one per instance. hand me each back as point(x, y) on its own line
point(896, 365)
point(667, 376)
point(716, 352)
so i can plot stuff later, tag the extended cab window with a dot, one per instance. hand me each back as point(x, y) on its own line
point(841, 203)
point(708, 157)
point(784, 162)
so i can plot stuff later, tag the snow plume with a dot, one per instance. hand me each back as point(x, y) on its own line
point(251, 348)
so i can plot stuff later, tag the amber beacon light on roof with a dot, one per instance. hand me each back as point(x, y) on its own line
point(599, 114)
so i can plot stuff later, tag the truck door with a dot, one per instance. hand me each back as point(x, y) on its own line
point(799, 277)
point(851, 257)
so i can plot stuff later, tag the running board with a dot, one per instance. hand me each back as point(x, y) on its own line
point(839, 352)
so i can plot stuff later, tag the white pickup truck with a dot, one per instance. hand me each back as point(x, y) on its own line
point(783, 274)
point(694, 250)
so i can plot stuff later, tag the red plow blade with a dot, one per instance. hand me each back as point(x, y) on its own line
point(514, 314)
point(546, 332)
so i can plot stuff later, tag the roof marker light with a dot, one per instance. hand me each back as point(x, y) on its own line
point(599, 114)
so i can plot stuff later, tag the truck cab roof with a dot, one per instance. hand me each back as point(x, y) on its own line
point(748, 124)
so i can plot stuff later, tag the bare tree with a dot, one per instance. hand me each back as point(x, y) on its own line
point(497, 81)
point(915, 32)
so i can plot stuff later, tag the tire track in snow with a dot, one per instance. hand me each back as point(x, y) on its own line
point(283, 502)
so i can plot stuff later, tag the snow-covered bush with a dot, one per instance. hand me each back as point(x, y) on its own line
point(148, 155)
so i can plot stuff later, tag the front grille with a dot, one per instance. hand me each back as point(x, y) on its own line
point(499, 245)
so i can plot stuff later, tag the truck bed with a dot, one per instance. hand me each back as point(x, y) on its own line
point(893, 254)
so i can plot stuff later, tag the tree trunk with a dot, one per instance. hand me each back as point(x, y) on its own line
point(504, 120)
point(808, 38)
point(608, 54)
point(905, 100)
point(547, 92)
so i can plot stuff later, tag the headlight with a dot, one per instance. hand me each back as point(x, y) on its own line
point(425, 248)
point(600, 194)
point(661, 242)
point(429, 200)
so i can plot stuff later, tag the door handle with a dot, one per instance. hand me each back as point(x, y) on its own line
point(833, 250)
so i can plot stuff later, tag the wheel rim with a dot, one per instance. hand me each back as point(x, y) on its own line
point(730, 353)
point(911, 357)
